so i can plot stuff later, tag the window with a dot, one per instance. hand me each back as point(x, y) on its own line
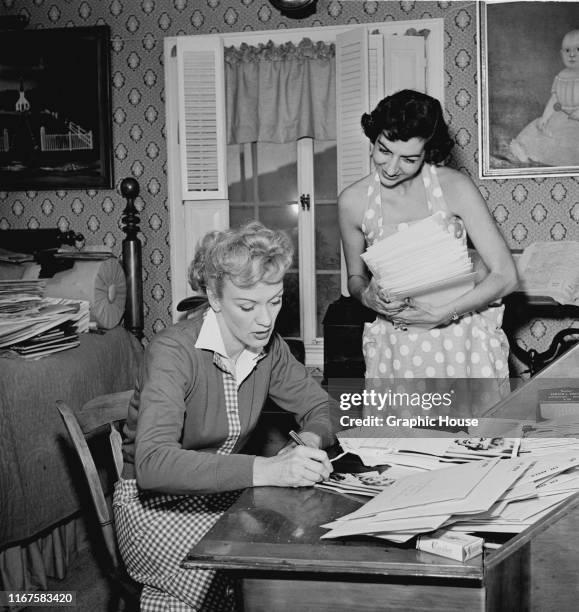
point(264, 185)
point(266, 181)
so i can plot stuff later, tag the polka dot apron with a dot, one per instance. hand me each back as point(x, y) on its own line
point(474, 346)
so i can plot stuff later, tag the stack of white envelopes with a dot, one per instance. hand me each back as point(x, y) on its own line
point(424, 260)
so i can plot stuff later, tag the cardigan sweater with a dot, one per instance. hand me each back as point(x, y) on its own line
point(177, 418)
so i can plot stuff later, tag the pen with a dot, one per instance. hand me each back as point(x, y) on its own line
point(294, 436)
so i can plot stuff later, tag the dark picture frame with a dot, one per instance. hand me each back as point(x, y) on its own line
point(55, 109)
point(519, 57)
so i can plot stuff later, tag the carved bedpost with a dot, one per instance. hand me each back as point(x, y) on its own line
point(132, 259)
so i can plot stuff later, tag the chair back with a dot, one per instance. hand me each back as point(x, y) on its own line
point(94, 417)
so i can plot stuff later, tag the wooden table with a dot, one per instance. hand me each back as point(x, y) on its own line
point(270, 540)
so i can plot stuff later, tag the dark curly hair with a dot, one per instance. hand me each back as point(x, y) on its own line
point(410, 114)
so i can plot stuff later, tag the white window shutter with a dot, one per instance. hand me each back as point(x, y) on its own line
point(202, 139)
point(404, 64)
point(352, 99)
point(376, 68)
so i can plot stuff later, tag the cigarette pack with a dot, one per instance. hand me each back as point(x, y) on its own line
point(454, 545)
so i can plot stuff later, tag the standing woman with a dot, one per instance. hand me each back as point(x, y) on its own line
point(199, 395)
point(413, 338)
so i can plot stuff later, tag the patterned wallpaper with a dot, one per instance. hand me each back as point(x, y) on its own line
point(525, 209)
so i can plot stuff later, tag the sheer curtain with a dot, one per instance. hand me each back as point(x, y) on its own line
point(280, 93)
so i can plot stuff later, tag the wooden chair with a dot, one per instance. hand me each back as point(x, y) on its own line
point(96, 417)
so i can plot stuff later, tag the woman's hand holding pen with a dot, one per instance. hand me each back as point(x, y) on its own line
point(301, 466)
point(306, 438)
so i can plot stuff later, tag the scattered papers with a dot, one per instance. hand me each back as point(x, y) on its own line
point(421, 260)
point(497, 484)
point(428, 449)
point(365, 483)
point(427, 501)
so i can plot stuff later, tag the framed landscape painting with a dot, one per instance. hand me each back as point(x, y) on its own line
point(55, 109)
point(528, 89)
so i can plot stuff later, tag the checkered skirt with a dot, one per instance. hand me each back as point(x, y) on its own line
point(155, 532)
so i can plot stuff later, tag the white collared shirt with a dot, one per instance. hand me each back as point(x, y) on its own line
point(210, 339)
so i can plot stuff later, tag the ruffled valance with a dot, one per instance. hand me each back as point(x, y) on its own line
point(306, 49)
point(280, 93)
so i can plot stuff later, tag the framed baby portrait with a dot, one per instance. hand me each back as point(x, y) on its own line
point(528, 89)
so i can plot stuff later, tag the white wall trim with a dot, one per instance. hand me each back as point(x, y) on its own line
point(177, 237)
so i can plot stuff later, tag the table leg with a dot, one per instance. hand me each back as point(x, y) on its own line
point(508, 584)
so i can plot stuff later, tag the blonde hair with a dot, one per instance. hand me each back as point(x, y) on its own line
point(245, 255)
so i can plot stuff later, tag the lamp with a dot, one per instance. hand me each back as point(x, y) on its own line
point(297, 9)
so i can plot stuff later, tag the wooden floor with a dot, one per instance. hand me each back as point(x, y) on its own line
point(555, 574)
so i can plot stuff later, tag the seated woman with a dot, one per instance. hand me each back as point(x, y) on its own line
point(200, 393)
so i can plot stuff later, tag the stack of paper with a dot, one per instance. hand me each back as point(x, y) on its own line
point(424, 260)
point(89, 252)
point(32, 325)
point(54, 340)
point(13, 290)
point(51, 313)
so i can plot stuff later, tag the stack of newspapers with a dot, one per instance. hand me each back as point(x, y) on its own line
point(500, 485)
point(424, 260)
point(32, 325)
